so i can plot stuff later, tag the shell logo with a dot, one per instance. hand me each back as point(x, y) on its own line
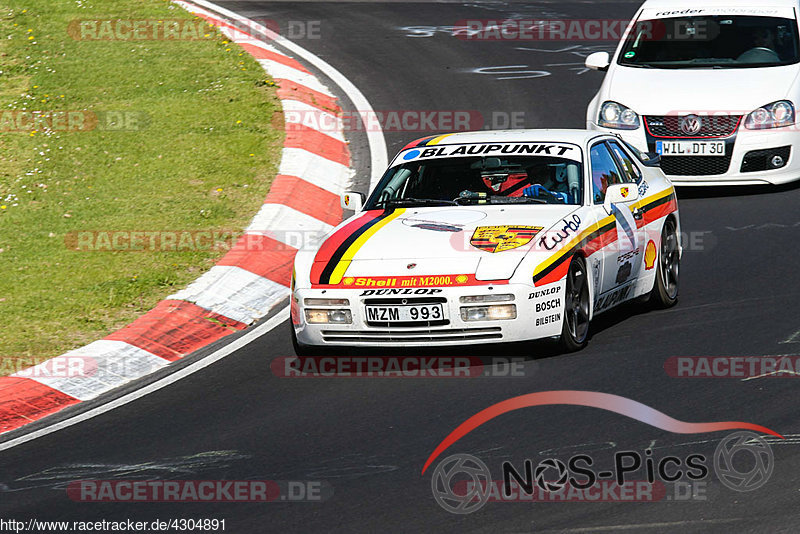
point(462, 278)
point(650, 255)
point(348, 281)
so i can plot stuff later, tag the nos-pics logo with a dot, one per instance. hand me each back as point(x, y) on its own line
point(461, 484)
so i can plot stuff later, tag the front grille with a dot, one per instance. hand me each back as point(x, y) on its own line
point(712, 126)
point(695, 165)
point(759, 160)
point(409, 336)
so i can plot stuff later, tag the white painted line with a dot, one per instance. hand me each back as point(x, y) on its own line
point(773, 373)
point(101, 366)
point(785, 372)
point(190, 369)
point(377, 143)
point(234, 293)
point(638, 526)
point(794, 338)
point(322, 172)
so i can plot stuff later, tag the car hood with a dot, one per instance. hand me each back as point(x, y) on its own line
point(442, 241)
point(683, 91)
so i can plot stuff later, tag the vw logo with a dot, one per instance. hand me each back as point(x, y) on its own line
point(470, 474)
point(690, 124)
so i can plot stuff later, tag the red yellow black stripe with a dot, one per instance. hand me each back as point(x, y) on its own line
point(425, 141)
point(557, 268)
point(602, 234)
point(334, 256)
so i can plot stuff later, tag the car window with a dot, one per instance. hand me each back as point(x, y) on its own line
point(604, 171)
point(719, 41)
point(493, 180)
point(630, 172)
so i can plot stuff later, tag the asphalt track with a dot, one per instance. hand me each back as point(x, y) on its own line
point(368, 438)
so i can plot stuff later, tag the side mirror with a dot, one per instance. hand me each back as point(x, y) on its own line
point(651, 159)
point(619, 194)
point(352, 201)
point(598, 61)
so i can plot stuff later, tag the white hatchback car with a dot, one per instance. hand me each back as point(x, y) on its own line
point(712, 87)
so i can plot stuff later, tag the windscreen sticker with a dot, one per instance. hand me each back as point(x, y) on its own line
point(660, 13)
point(501, 238)
point(559, 150)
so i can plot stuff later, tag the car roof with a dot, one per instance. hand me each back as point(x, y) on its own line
point(693, 4)
point(578, 137)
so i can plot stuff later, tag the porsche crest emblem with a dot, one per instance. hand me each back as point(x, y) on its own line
point(502, 238)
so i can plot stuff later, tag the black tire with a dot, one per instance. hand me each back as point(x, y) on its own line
point(575, 327)
point(665, 290)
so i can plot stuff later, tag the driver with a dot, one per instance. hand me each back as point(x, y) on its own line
point(506, 184)
point(555, 184)
point(763, 47)
point(764, 38)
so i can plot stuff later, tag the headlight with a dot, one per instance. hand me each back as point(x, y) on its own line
point(315, 316)
point(773, 115)
point(489, 313)
point(326, 302)
point(617, 116)
point(486, 298)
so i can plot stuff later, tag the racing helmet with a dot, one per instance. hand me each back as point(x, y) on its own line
point(505, 183)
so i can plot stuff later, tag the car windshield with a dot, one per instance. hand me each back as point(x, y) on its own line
point(718, 41)
point(480, 180)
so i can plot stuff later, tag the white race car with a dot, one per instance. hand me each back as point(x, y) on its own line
point(492, 236)
point(712, 86)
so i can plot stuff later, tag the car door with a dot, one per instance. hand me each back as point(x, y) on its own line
point(621, 258)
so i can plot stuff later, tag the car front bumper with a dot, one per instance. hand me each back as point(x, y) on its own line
point(539, 314)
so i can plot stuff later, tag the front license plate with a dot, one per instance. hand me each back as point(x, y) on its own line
point(405, 314)
point(690, 148)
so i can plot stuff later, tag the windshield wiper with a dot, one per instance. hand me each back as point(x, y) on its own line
point(411, 201)
point(517, 200)
point(483, 198)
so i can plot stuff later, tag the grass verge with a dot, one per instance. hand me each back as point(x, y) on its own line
point(177, 136)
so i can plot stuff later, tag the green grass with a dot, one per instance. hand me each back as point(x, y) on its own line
point(203, 159)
